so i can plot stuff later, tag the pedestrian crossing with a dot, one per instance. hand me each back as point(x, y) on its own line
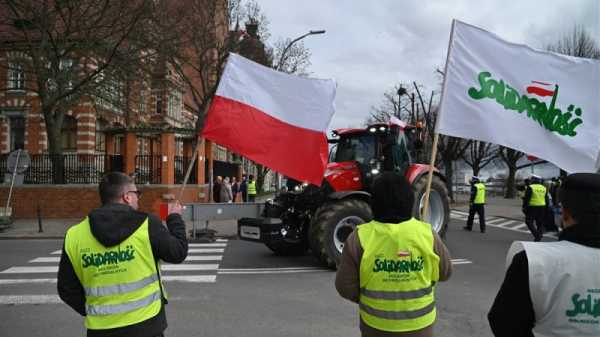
point(200, 266)
point(498, 222)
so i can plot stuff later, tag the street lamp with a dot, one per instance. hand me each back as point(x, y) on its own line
point(312, 32)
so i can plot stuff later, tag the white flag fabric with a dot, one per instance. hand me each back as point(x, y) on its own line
point(537, 102)
point(275, 119)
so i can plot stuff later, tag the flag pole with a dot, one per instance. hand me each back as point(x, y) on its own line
point(425, 208)
point(190, 167)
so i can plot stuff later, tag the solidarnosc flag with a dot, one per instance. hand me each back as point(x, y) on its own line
point(541, 103)
point(272, 118)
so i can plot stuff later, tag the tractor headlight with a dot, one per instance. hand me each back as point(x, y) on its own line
point(301, 187)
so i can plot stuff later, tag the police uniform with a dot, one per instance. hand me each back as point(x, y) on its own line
point(477, 204)
point(535, 203)
point(552, 289)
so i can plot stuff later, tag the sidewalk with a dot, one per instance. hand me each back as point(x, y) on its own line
point(494, 206)
point(57, 228)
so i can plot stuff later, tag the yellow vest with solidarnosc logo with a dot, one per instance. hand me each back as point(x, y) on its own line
point(398, 272)
point(252, 187)
point(538, 195)
point(480, 194)
point(121, 283)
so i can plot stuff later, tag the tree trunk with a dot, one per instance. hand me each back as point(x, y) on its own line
point(476, 170)
point(55, 150)
point(261, 172)
point(449, 172)
point(510, 182)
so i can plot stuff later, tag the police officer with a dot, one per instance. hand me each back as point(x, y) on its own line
point(390, 266)
point(251, 188)
point(534, 207)
point(109, 270)
point(553, 288)
point(477, 204)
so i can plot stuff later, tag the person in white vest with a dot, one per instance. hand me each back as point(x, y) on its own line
point(553, 288)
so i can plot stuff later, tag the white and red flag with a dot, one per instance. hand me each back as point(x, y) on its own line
point(275, 119)
point(541, 103)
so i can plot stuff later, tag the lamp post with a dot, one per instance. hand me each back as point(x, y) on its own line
point(281, 58)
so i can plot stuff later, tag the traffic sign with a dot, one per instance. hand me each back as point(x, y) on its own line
point(18, 159)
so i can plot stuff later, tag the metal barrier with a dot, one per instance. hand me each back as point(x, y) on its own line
point(198, 212)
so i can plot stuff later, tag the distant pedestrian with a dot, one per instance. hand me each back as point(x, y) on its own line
point(552, 289)
point(534, 207)
point(109, 269)
point(217, 189)
point(226, 194)
point(391, 265)
point(244, 188)
point(476, 204)
point(251, 188)
point(235, 189)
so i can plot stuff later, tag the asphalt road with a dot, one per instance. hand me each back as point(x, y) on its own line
point(237, 288)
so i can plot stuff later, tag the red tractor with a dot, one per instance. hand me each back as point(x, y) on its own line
point(320, 218)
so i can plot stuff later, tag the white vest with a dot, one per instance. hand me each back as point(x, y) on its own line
point(564, 283)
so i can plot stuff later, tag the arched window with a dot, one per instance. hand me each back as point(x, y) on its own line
point(69, 134)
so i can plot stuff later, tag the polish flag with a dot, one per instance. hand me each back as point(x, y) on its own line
point(275, 119)
point(540, 88)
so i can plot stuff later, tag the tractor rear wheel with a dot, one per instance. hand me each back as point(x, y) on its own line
point(439, 208)
point(332, 224)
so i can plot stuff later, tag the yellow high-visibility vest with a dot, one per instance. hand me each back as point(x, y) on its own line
point(398, 271)
point(121, 283)
point(538, 195)
point(252, 187)
point(480, 194)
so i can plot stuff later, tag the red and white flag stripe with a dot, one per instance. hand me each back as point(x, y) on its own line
point(272, 118)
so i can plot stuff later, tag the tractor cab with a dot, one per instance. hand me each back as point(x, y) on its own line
point(360, 154)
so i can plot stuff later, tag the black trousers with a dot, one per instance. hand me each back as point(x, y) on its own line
point(535, 214)
point(480, 209)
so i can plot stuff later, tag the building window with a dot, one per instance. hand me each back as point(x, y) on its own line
point(178, 146)
point(69, 134)
point(159, 103)
point(142, 101)
point(17, 133)
point(143, 146)
point(174, 106)
point(119, 140)
point(16, 76)
point(100, 135)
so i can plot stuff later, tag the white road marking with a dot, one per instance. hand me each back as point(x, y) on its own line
point(521, 226)
point(503, 224)
point(56, 252)
point(28, 270)
point(27, 280)
point(207, 245)
point(190, 278)
point(462, 262)
point(29, 299)
point(46, 259)
point(493, 221)
point(249, 272)
point(222, 240)
point(206, 250)
point(185, 267)
point(204, 258)
point(459, 212)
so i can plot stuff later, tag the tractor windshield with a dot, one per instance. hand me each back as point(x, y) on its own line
point(361, 148)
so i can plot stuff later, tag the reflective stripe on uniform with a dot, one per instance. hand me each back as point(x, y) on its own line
point(121, 288)
point(110, 309)
point(397, 314)
point(396, 295)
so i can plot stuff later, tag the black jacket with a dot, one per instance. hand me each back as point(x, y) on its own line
point(512, 313)
point(111, 224)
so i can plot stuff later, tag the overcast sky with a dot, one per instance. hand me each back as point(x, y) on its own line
point(370, 46)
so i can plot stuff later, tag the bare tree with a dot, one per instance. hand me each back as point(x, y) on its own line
point(510, 157)
point(296, 59)
point(393, 104)
point(576, 43)
point(73, 51)
point(479, 155)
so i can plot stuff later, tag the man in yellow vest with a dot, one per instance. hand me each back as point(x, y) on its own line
point(251, 188)
point(534, 207)
point(390, 265)
point(109, 270)
point(476, 204)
